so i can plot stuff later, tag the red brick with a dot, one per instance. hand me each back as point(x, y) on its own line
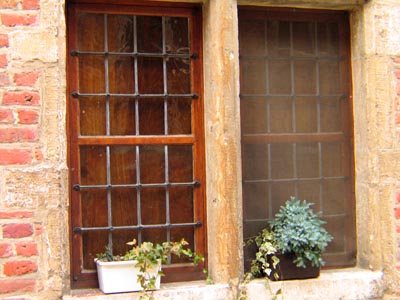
point(6, 116)
point(3, 60)
point(17, 285)
point(30, 4)
point(11, 135)
point(28, 116)
point(4, 80)
point(22, 98)
point(26, 79)
point(6, 250)
point(4, 40)
point(8, 4)
point(397, 118)
point(15, 214)
point(19, 267)
point(27, 249)
point(397, 73)
point(17, 230)
point(398, 229)
point(15, 157)
point(396, 60)
point(38, 229)
point(397, 213)
point(15, 19)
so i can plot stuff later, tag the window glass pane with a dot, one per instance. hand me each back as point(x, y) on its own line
point(150, 71)
point(252, 37)
point(91, 74)
point(254, 115)
point(93, 165)
point(280, 193)
point(328, 39)
point(178, 75)
point(181, 204)
point(332, 196)
point(124, 209)
point(92, 116)
point(329, 80)
point(179, 116)
point(123, 164)
point(303, 38)
point(336, 226)
point(332, 159)
point(278, 33)
point(152, 164)
point(91, 33)
point(282, 161)
point(177, 35)
point(255, 161)
point(252, 76)
point(121, 78)
point(257, 199)
point(122, 116)
point(305, 79)
point(307, 160)
point(151, 116)
point(92, 243)
point(152, 201)
point(281, 114)
point(120, 33)
point(180, 163)
point(306, 114)
point(310, 190)
point(331, 114)
point(149, 34)
point(279, 74)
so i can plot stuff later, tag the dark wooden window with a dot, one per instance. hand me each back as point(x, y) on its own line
point(136, 140)
point(296, 120)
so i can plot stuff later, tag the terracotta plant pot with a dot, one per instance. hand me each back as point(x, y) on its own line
point(286, 269)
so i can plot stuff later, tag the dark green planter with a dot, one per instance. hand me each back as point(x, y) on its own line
point(287, 270)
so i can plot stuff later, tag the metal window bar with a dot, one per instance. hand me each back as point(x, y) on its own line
point(77, 94)
point(135, 54)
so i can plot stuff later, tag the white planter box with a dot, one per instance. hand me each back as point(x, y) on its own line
point(121, 276)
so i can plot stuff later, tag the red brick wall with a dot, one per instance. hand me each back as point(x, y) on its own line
point(20, 106)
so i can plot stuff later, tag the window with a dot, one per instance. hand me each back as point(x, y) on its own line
point(136, 140)
point(296, 121)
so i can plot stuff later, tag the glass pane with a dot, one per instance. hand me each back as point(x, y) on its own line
point(306, 114)
point(91, 74)
point(93, 165)
point(179, 116)
point(151, 116)
point(310, 190)
point(337, 228)
point(152, 164)
point(180, 163)
point(123, 164)
point(303, 38)
point(91, 32)
point(307, 160)
point(278, 33)
point(122, 116)
point(177, 35)
point(279, 77)
point(281, 115)
point(280, 193)
point(255, 161)
point(328, 39)
point(154, 235)
point(329, 77)
point(282, 161)
point(252, 76)
point(254, 115)
point(152, 203)
point(331, 114)
point(178, 75)
point(92, 116)
point(120, 33)
point(256, 200)
point(149, 34)
point(305, 78)
point(121, 78)
point(124, 208)
point(150, 72)
point(181, 204)
point(252, 37)
point(332, 159)
point(120, 238)
point(92, 243)
point(333, 195)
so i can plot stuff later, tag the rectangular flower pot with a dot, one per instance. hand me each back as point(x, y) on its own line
point(287, 269)
point(122, 276)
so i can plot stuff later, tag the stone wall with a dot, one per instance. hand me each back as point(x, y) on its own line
point(34, 249)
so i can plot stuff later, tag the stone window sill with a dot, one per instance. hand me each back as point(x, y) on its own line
point(344, 284)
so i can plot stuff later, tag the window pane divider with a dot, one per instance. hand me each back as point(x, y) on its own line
point(293, 137)
point(135, 95)
point(137, 140)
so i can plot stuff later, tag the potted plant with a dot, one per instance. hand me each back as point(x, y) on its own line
point(140, 268)
point(292, 246)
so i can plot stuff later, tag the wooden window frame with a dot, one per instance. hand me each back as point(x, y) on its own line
point(181, 272)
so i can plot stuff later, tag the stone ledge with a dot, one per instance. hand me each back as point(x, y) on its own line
point(343, 284)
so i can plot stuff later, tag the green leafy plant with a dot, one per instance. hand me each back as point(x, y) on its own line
point(297, 229)
point(148, 257)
